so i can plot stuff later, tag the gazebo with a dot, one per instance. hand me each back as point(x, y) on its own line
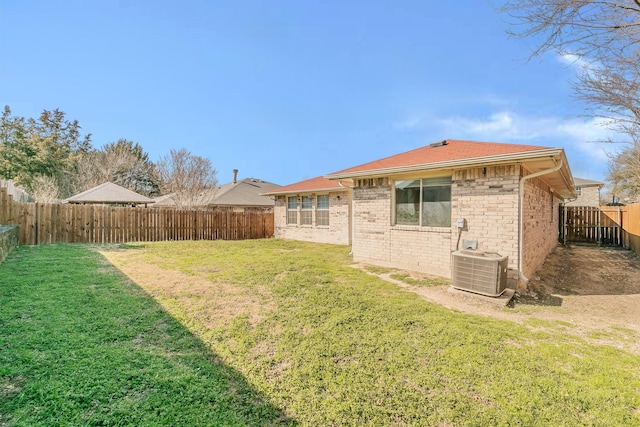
point(110, 194)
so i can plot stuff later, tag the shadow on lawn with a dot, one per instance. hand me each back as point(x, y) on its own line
point(108, 353)
point(248, 405)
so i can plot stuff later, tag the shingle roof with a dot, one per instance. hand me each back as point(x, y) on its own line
point(446, 151)
point(581, 182)
point(318, 183)
point(109, 193)
point(245, 192)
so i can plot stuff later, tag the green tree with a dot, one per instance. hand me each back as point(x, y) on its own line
point(49, 146)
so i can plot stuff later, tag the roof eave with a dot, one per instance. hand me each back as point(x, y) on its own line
point(108, 202)
point(308, 190)
point(474, 161)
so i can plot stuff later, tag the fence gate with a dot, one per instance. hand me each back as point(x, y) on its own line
point(588, 224)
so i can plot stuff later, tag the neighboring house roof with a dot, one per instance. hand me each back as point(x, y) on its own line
point(451, 153)
point(109, 193)
point(581, 182)
point(318, 183)
point(245, 192)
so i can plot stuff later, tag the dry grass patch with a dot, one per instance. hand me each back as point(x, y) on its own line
point(215, 303)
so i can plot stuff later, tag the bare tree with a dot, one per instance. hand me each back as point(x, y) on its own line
point(124, 163)
point(190, 179)
point(603, 36)
point(624, 173)
point(44, 189)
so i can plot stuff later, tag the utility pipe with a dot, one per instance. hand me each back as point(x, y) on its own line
point(521, 230)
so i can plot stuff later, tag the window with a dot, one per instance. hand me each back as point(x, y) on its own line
point(307, 210)
point(292, 210)
point(322, 210)
point(579, 190)
point(425, 202)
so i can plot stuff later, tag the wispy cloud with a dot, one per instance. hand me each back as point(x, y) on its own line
point(580, 64)
point(509, 125)
point(578, 136)
point(574, 61)
point(502, 125)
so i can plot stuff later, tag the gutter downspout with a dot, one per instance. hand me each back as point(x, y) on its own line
point(521, 214)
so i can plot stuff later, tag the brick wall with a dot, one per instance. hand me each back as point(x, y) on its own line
point(540, 225)
point(371, 223)
point(589, 196)
point(338, 232)
point(487, 198)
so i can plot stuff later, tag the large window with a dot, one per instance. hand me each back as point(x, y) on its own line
point(322, 210)
point(306, 214)
point(425, 202)
point(292, 210)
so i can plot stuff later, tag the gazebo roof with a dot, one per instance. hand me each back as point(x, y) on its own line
point(109, 193)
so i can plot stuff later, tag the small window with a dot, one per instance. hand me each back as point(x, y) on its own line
point(579, 190)
point(306, 214)
point(425, 202)
point(292, 210)
point(322, 210)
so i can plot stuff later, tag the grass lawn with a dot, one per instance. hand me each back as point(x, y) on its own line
point(268, 332)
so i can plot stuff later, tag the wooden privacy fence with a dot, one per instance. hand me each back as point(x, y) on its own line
point(66, 223)
point(604, 225)
point(589, 224)
point(628, 217)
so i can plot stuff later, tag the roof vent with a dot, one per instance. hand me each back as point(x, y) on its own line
point(438, 144)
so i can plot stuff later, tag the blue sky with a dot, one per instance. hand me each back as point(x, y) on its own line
point(291, 89)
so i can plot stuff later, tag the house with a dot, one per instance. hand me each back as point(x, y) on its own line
point(413, 209)
point(313, 210)
point(111, 194)
point(238, 194)
point(588, 193)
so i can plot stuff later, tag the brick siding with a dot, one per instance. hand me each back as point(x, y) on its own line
point(338, 232)
point(589, 196)
point(540, 225)
point(487, 198)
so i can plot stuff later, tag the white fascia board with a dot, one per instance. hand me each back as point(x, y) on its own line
point(303, 191)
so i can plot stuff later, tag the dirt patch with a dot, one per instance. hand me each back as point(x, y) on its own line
point(587, 291)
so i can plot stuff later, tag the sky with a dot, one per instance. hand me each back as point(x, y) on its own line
point(285, 90)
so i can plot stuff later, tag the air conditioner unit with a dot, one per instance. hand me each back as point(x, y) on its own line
point(480, 272)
